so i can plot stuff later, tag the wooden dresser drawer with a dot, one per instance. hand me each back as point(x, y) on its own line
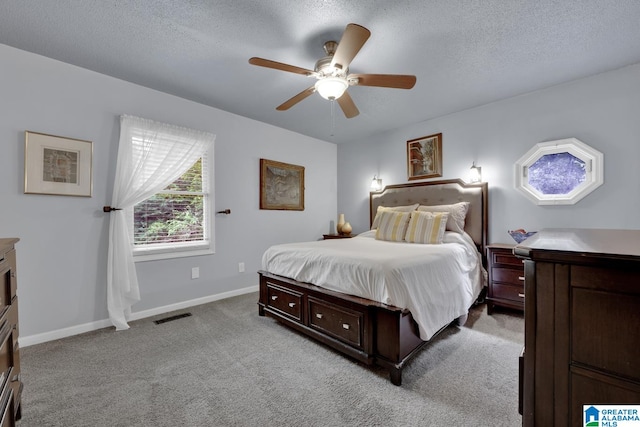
point(508, 275)
point(7, 408)
point(10, 384)
point(16, 383)
point(285, 301)
point(338, 322)
point(8, 282)
point(604, 324)
point(6, 354)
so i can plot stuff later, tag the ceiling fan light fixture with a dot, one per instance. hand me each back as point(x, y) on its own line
point(332, 73)
point(331, 87)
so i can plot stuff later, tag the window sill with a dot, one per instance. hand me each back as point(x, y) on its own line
point(169, 255)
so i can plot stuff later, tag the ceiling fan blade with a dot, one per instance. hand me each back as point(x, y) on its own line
point(297, 98)
point(280, 66)
point(397, 81)
point(353, 38)
point(348, 106)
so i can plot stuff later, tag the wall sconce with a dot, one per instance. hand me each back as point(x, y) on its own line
point(475, 175)
point(376, 183)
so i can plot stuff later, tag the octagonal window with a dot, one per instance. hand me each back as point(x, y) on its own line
point(559, 172)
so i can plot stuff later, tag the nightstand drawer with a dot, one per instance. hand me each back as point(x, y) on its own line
point(505, 257)
point(339, 322)
point(510, 292)
point(506, 278)
point(508, 275)
point(285, 301)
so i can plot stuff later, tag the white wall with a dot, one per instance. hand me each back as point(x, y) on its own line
point(62, 252)
point(601, 111)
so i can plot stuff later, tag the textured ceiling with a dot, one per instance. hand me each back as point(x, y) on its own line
point(464, 53)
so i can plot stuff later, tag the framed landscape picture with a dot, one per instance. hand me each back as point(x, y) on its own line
point(57, 165)
point(281, 186)
point(424, 157)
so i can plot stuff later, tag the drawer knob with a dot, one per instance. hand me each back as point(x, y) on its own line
point(292, 304)
point(346, 326)
point(274, 297)
point(521, 295)
point(319, 315)
point(521, 278)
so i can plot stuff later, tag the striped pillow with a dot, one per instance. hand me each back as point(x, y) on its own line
point(457, 214)
point(407, 208)
point(392, 226)
point(426, 227)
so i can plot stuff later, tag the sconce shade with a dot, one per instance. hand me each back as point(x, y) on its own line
point(331, 87)
point(376, 184)
point(475, 174)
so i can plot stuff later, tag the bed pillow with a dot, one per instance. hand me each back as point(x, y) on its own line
point(392, 226)
point(426, 227)
point(457, 214)
point(376, 220)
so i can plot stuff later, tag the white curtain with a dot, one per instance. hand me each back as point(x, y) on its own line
point(151, 156)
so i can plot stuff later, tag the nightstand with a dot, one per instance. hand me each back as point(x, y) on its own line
point(506, 278)
point(337, 236)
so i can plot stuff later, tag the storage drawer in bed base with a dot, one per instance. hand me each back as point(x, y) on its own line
point(284, 301)
point(368, 331)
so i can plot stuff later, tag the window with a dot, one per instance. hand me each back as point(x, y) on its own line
point(175, 222)
point(559, 172)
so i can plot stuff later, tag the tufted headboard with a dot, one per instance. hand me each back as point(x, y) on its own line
point(440, 193)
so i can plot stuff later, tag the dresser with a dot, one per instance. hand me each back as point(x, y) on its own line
point(582, 323)
point(11, 385)
point(506, 278)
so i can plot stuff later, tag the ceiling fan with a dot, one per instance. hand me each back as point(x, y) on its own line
point(332, 72)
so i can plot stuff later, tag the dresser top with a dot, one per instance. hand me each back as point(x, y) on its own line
point(4, 242)
point(607, 243)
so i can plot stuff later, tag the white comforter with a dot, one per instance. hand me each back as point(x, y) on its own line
point(437, 283)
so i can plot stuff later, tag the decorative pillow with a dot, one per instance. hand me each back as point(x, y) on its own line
point(393, 225)
point(408, 208)
point(457, 214)
point(426, 227)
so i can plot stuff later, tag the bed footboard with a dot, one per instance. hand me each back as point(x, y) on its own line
point(365, 330)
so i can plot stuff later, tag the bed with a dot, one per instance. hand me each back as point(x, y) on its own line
point(367, 297)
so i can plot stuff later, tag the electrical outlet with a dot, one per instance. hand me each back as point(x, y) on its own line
point(195, 272)
point(241, 267)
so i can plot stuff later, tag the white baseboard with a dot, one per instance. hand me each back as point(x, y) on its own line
point(29, 340)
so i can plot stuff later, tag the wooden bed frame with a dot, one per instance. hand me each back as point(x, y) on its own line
point(366, 330)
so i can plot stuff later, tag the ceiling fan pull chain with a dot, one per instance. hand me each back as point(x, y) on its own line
point(333, 116)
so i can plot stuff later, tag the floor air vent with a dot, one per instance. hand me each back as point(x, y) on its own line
point(170, 318)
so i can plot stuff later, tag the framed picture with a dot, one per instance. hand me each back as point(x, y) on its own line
point(281, 186)
point(57, 165)
point(424, 157)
